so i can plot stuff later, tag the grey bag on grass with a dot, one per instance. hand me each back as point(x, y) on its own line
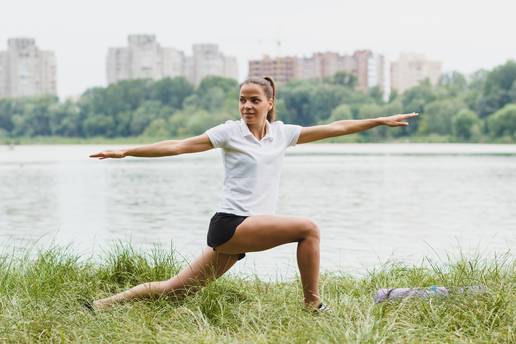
point(387, 294)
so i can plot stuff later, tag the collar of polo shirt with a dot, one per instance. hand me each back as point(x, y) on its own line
point(247, 132)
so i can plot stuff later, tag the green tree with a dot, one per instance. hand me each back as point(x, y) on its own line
point(157, 128)
point(512, 92)
point(297, 103)
point(99, 125)
point(227, 85)
point(171, 92)
point(341, 112)
point(416, 99)
point(64, 119)
point(376, 94)
point(309, 102)
point(146, 113)
point(28, 116)
point(231, 104)
point(466, 124)
point(126, 95)
point(439, 116)
point(454, 83)
point(497, 91)
point(323, 99)
point(21, 127)
point(212, 99)
point(192, 101)
point(282, 111)
point(36, 113)
point(123, 122)
point(9, 107)
point(476, 83)
point(503, 122)
point(343, 78)
point(195, 121)
point(393, 96)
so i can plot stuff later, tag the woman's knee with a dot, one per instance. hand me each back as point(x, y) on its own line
point(310, 230)
point(167, 286)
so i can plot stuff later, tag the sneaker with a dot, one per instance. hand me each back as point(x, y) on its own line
point(323, 308)
point(88, 305)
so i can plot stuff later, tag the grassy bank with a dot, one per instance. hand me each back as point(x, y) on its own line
point(38, 302)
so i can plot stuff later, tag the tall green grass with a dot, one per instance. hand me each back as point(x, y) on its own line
point(39, 302)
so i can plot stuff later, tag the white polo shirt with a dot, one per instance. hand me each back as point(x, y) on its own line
point(252, 167)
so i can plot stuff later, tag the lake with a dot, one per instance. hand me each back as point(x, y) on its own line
point(374, 203)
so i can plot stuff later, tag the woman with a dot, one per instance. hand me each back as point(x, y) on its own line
point(253, 150)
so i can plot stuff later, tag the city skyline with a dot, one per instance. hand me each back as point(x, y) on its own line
point(464, 36)
point(145, 58)
point(25, 70)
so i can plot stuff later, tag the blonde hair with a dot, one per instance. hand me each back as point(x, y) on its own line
point(269, 88)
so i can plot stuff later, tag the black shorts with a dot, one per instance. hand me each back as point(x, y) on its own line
point(222, 228)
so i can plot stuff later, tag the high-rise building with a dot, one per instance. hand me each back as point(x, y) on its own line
point(25, 70)
point(281, 69)
point(369, 69)
point(144, 58)
point(366, 66)
point(4, 57)
point(173, 62)
point(412, 68)
point(208, 60)
point(324, 65)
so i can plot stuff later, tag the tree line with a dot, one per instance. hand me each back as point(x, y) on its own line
point(480, 107)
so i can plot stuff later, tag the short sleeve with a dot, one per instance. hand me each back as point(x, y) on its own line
point(292, 133)
point(219, 135)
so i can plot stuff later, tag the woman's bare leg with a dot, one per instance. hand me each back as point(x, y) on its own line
point(209, 266)
point(258, 233)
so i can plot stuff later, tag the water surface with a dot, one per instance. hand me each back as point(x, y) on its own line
point(373, 202)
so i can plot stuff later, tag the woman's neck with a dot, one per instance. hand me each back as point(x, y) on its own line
point(258, 130)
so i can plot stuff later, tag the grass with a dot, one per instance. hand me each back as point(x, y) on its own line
point(39, 303)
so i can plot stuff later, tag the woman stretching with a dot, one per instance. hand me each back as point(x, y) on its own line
point(252, 149)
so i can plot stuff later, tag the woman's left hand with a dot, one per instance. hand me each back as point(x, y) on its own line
point(397, 120)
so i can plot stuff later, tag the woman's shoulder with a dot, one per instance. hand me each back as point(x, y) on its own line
point(228, 124)
point(288, 132)
point(282, 125)
point(277, 124)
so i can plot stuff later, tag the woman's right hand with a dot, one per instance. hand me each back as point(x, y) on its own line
point(118, 154)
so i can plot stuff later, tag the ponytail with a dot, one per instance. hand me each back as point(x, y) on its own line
point(271, 115)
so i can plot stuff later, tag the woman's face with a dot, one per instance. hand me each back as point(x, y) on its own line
point(254, 104)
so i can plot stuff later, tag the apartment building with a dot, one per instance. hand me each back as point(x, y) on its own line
point(369, 69)
point(145, 58)
point(365, 65)
point(25, 70)
point(281, 69)
point(208, 60)
point(323, 65)
point(411, 68)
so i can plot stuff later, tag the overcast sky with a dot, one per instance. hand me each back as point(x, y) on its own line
point(465, 35)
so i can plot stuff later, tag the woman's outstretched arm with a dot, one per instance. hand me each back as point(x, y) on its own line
point(194, 144)
point(346, 127)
